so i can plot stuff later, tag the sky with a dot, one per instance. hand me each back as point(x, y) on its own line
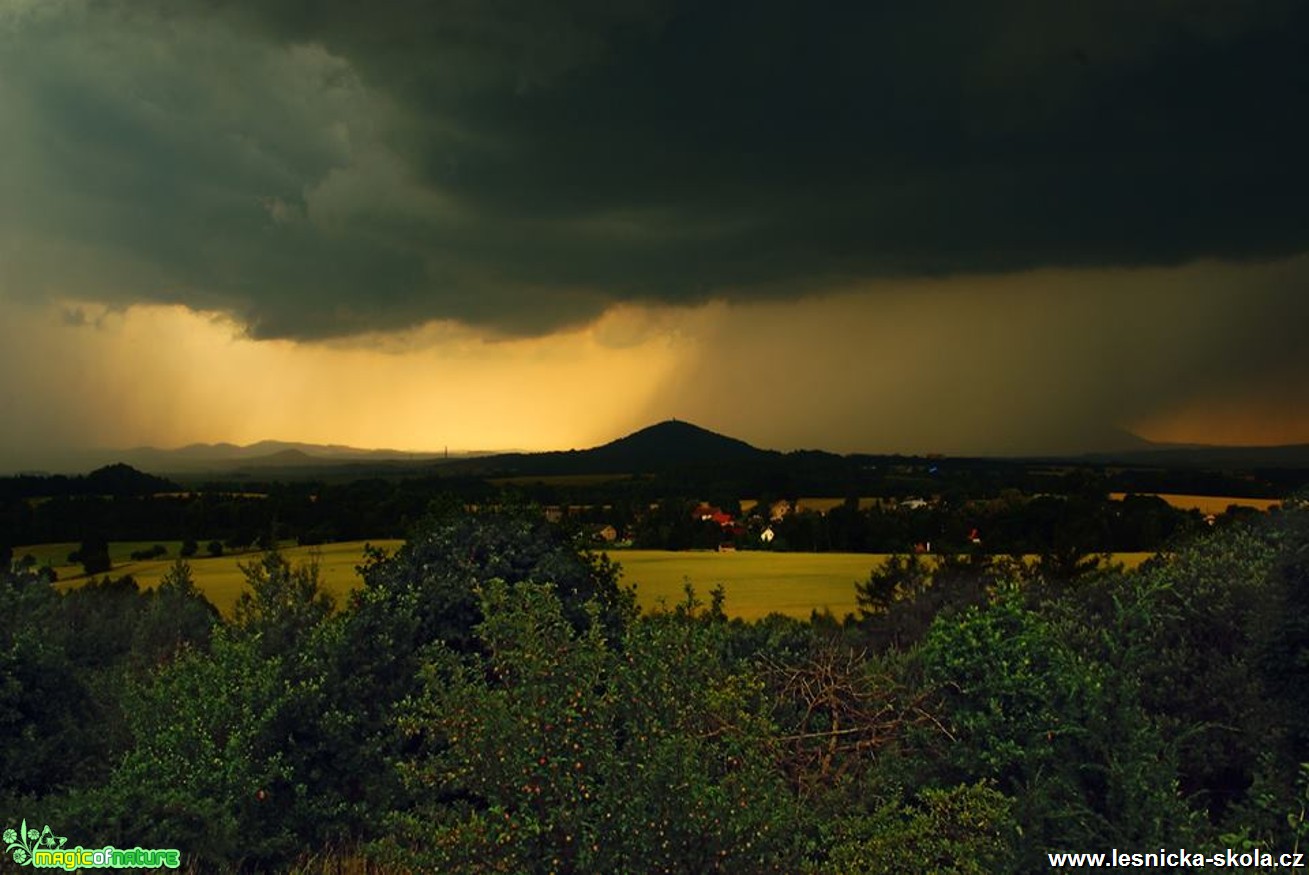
point(968, 227)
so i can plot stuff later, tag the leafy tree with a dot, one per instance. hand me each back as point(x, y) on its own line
point(564, 754)
point(1280, 660)
point(900, 578)
point(282, 604)
point(210, 749)
point(231, 745)
point(176, 616)
point(43, 699)
point(239, 539)
point(429, 586)
point(963, 830)
point(426, 593)
point(1196, 613)
point(1066, 739)
point(93, 556)
point(1062, 564)
point(901, 598)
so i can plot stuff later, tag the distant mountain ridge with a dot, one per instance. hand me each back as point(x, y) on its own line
point(1202, 455)
point(270, 448)
point(669, 444)
point(267, 455)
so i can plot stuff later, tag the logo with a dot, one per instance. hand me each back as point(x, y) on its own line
point(42, 849)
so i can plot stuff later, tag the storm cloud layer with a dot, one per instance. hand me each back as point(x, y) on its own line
point(524, 166)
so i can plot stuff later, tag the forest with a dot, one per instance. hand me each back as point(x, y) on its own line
point(490, 700)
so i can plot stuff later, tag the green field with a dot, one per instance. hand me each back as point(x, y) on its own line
point(756, 583)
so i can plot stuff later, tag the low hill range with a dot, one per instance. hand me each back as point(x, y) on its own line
point(665, 445)
point(263, 453)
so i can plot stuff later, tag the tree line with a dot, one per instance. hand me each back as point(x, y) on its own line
point(210, 522)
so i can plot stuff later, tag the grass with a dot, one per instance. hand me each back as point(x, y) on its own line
point(756, 583)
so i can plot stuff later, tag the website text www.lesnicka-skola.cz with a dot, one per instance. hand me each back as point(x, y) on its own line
point(1176, 859)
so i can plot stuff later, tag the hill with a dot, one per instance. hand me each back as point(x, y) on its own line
point(672, 442)
point(662, 447)
point(116, 479)
point(120, 479)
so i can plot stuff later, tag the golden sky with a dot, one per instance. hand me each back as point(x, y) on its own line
point(1033, 362)
point(167, 376)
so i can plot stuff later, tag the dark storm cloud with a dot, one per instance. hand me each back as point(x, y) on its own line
point(325, 168)
point(1050, 361)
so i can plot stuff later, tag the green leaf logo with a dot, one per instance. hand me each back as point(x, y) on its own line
point(21, 843)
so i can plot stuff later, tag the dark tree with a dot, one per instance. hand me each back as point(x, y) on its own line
point(93, 556)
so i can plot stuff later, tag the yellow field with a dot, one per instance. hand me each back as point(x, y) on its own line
point(1214, 504)
point(761, 583)
point(218, 576)
point(756, 583)
point(817, 504)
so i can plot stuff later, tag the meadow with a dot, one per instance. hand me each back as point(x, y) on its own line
point(756, 583)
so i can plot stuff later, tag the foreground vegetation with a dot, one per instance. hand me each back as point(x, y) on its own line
point(490, 700)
